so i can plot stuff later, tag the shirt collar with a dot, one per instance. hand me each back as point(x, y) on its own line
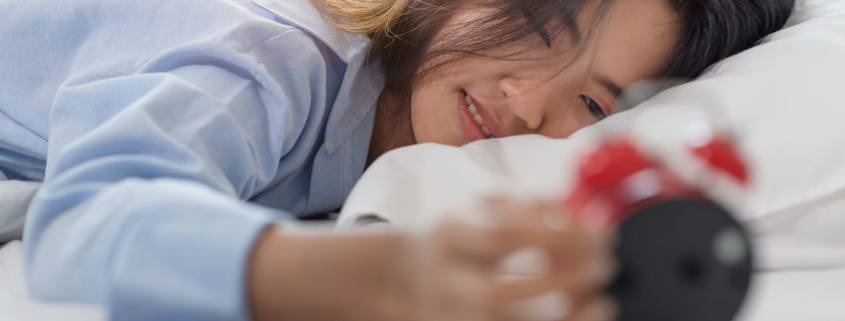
point(349, 127)
point(304, 15)
point(362, 83)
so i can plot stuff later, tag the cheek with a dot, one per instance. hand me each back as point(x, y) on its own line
point(429, 112)
point(565, 127)
point(419, 106)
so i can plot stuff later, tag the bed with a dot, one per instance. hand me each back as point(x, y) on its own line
point(785, 99)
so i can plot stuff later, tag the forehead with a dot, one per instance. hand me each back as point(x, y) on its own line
point(636, 40)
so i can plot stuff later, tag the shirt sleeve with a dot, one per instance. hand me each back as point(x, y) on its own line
point(141, 211)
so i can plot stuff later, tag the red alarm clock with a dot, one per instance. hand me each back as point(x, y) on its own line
point(682, 255)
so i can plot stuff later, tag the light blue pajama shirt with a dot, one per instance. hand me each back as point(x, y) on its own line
point(152, 122)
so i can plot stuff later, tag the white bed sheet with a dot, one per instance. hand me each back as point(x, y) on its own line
point(14, 200)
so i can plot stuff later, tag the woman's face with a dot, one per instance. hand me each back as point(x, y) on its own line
point(544, 91)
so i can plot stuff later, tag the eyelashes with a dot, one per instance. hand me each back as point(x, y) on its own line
point(594, 108)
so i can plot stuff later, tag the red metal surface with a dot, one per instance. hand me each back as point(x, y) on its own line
point(719, 154)
point(616, 179)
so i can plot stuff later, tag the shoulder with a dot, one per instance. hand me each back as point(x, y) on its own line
point(302, 14)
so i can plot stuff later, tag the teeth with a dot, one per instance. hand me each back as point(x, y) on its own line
point(486, 131)
point(472, 109)
point(475, 116)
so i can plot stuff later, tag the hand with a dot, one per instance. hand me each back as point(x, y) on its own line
point(450, 273)
point(457, 266)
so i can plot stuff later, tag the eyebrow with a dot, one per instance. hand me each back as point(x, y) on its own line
point(610, 85)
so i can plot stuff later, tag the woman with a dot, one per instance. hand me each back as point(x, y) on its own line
point(150, 121)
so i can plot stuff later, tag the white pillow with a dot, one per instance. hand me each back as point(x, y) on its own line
point(785, 98)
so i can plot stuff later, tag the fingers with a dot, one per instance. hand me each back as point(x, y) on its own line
point(516, 225)
point(601, 309)
point(578, 280)
point(461, 260)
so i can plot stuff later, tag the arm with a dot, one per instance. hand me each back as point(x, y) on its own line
point(450, 273)
point(140, 214)
point(296, 276)
point(140, 210)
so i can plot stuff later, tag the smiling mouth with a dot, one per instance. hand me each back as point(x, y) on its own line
point(473, 111)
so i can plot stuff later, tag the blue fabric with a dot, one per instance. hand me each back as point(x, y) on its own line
point(152, 123)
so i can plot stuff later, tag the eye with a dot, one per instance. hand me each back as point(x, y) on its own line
point(594, 108)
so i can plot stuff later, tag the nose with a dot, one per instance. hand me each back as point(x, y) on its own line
point(529, 101)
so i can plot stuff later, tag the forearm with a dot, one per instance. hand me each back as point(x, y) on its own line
point(305, 277)
point(141, 249)
point(448, 273)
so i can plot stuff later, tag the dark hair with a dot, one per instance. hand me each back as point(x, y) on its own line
point(409, 54)
point(402, 30)
point(716, 29)
point(711, 31)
